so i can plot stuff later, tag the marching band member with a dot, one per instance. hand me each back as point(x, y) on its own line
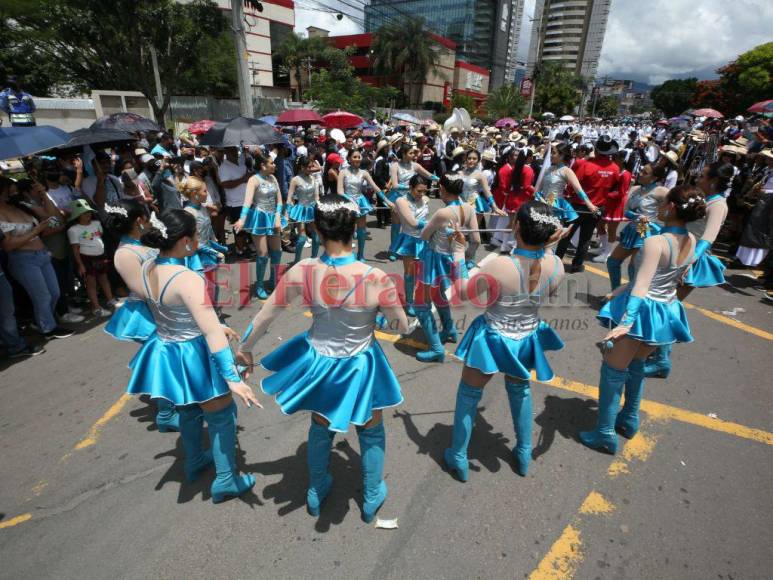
point(413, 210)
point(303, 195)
point(351, 183)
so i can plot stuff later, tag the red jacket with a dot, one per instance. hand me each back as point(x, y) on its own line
point(521, 192)
point(503, 184)
point(598, 177)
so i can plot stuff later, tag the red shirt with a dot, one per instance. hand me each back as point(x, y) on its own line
point(598, 177)
point(521, 192)
point(503, 184)
point(623, 185)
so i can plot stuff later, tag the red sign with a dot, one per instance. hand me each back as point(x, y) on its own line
point(526, 87)
point(447, 94)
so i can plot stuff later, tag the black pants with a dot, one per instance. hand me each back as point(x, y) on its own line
point(587, 224)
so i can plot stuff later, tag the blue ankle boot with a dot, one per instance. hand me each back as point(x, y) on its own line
point(260, 273)
point(191, 428)
point(410, 285)
point(615, 269)
point(448, 333)
point(394, 232)
point(222, 436)
point(314, 244)
point(627, 422)
point(519, 395)
point(299, 243)
point(467, 399)
point(318, 458)
point(659, 364)
point(372, 449)
point(603, 437)
point(436, 352)
point(362, 236)
point(167, 418)
point(276, 258)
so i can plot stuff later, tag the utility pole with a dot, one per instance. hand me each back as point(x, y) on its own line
point(159, 91)
point(243, 73)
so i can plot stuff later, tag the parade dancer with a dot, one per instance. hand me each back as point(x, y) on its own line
point(303, 196)
point(476, 192)
point(262, 217)
point(441, 266)
point(188, 361)
point(336, 370)
point(706, 270)
point(642, 212)
point(133, 321)
point(645, 313)
point(351, 183)
point(555, 182)
point(509, 337)
point(413, 210)
point(614, 208)
point(400, 173)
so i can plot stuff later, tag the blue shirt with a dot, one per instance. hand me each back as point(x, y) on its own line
point(159, 150)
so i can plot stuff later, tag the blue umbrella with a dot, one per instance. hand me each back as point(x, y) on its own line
point(270, 119)
point(22, 141)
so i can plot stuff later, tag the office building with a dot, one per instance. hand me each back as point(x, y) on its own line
point(569, 32)
point(515, 20)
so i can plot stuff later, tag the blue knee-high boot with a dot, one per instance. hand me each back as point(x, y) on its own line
point(318, 458)
point(394, 231)
point(276, 258)
point(167, 418)
point(603, 437)
point(627, 422)
point(519, 395)
point(191, 428)
point(314, 244)
point(436, 351)
point(410, 285)
point(299, 243)
point(260, 273)
point(222, 436)
point(659, 365)
point(631, 272)
point(467, 399)
point(448, 333)
point(372, 450)
point(615, 269)
point(362, 236)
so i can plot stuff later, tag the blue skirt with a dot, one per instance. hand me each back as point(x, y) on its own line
point(658, 323)
point(206, 258)
point(706, 271)
point(342, 390)
point(439, 269)
point(132, 322)
point(261, 223)
point(490, 352)
point(482, 204)
point(409, 246)
point(302, 213)
point(181, 372)
point(396, 193)
point(362, 202)
point(630, 238)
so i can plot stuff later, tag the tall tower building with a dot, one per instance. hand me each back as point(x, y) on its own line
point(570, 32)
point(516, 18)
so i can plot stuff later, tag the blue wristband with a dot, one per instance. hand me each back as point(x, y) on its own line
point(583, 196)
point(434, 177)
point(632, 310)
point(381, 321)
point(245, 212)
point(422, 224)
point(225, 364)
point(701, 248)
point(381, 195)
point(247, 333)
point(279, 208)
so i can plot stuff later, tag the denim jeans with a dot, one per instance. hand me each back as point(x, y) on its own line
point(9, 332)
point(33, 270)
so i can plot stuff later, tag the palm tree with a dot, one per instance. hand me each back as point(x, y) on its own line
point(297, 51)
point(506, 101)
point(404, 51)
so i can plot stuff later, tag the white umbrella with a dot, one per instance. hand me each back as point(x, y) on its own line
point(566, 118)
point(548, 115)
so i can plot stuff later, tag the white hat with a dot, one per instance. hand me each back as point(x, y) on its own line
point(147, 157)
point(338, 136)
point(739, 118)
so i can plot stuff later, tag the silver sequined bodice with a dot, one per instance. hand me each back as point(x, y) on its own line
point(203, 224)
point(149, 254)
point(265, 195)
point(640, 202)
point(404, 174)
point(420, 212)
point(341, 332)
point(666, 278)
point(440, 241)
point(472, 186)
point(353, 184)
point(305, 190)
point(554, 184)
point(174, 323)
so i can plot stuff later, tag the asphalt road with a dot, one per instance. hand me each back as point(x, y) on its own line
point(90, 489)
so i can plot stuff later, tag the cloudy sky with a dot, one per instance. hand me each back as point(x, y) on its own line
point(648, 41)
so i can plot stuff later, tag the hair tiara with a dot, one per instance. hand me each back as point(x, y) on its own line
point(116, 210)
point(544, 219)
point(158, 224)
point(328, 206)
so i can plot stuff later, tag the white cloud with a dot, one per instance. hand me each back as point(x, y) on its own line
point(305, 17)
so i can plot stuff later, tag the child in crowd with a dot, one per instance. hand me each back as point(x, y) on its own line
point(88, 248)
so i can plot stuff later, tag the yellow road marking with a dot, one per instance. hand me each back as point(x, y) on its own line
point(15, 521)
point(93, 434)
point(562, 559)
point(596, 503)
point(639, 448)
point(662, 412)
point(708, 313)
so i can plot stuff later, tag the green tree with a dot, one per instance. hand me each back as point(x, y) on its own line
point(607, 107)
point(297, 52)
point(558, 89)
point(107, 45)
point(755, 72)
point(464, 102)
point(404, 53)
point(506, 101)
point(674, 96)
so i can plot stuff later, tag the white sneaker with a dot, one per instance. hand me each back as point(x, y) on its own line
point(102, 313)
point(307, 244)
point(71, 318)
point(115, 303)
point(600, 259)
point(74, 310)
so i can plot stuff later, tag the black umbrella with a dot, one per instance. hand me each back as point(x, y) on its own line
point(241, 131)
point(130, 122)
point(103, 137)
